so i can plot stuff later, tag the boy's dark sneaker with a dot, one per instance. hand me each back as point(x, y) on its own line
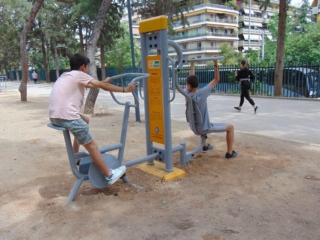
point(233, 155)
point(237, 108)
point(255, 109)
point(207, 148)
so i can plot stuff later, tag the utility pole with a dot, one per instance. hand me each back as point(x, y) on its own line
point(249, 24)
point(137, 109)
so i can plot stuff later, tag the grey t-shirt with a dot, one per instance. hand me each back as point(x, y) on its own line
point(200, 98)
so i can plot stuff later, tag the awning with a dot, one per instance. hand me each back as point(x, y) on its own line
point(257, 24)
point(252, 37)
point(252, 48)
point(253, 24)
point(246, 11)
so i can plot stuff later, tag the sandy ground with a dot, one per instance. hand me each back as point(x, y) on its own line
point(270, 191)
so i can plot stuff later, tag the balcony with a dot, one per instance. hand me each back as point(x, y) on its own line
point(252, 31)
point(199, 49)
point(214, 20)
point(206, 21)
point(204, 35)
point(212, 5)
point(245, 18)
point(243, 43)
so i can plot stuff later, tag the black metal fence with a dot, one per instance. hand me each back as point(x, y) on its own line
point(299, 80)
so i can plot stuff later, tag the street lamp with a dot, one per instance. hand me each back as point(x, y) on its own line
point(249, 24)
point(264, 16)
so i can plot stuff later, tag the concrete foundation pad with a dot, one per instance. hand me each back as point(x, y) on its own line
point(159, 169)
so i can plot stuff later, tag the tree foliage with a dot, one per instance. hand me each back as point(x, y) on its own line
point(301, 39)
point(173, 9)
point(230, 55)
point(120, 55)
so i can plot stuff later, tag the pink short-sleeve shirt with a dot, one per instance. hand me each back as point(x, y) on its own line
point(67, 95)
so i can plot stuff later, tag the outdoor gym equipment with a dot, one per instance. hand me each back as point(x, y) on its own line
point(156, 95)
point(87, 170)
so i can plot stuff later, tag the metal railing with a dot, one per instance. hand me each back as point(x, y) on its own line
point(210, 34)
point(299, 80)
point(213, 6)
point(217, 48)
point(215, 20)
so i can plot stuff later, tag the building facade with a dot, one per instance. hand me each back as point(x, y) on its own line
point(253, 26)
point(210, 25)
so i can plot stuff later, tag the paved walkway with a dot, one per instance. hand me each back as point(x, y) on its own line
point(285, 119)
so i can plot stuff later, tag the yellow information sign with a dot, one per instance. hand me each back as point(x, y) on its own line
point(155, 100)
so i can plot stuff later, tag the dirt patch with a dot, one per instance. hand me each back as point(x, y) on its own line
point(270, 191)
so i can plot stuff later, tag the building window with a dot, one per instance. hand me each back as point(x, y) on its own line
point(211, 15)
point(199, 45)
point(199, 30)
point(226, 31)
point(199, 17)
point(184, 46)
point(216, 30)
point(213, 44)
point(231, 44)
point(198, 56)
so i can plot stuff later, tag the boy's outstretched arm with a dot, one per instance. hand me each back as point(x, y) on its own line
point(107, 86)
point(216, 79)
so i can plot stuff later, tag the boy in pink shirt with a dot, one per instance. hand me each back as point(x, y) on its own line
point(64, 109)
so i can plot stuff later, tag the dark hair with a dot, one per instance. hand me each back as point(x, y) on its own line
point(77, 60)
point(193, 81)
point(244, 63)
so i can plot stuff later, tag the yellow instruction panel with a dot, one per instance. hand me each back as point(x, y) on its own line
point(155, 100)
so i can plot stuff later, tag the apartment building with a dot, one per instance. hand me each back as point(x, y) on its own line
point(253, 22)
point(210, 25)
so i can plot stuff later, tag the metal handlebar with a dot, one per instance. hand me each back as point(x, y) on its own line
point(139, 76)
point(173, 80)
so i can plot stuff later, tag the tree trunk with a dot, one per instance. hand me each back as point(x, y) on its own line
point(81, 37)
point(103, 63)
point(280, 49)
point(23, 48)
point(56, 57)
point(12, 76)
point(91, 48)
point(44, 58)
point(17, 74)
point(47, 60)
point(7, 73)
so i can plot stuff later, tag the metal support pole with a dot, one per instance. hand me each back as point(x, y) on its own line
point(249, 24)
point(137, 109)
point(262, 51)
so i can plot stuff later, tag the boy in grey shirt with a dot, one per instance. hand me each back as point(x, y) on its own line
point(199, 96)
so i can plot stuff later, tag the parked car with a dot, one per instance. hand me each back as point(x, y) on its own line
point(297, 82)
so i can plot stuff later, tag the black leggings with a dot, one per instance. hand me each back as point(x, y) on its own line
point(245, 87)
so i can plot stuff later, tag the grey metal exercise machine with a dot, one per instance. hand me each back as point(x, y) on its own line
point(156, 95)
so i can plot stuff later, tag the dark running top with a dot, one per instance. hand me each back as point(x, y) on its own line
point(245, 74)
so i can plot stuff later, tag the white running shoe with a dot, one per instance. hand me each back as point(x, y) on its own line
point(116, 174)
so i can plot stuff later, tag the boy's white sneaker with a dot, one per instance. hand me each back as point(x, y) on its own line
point(116, 174)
